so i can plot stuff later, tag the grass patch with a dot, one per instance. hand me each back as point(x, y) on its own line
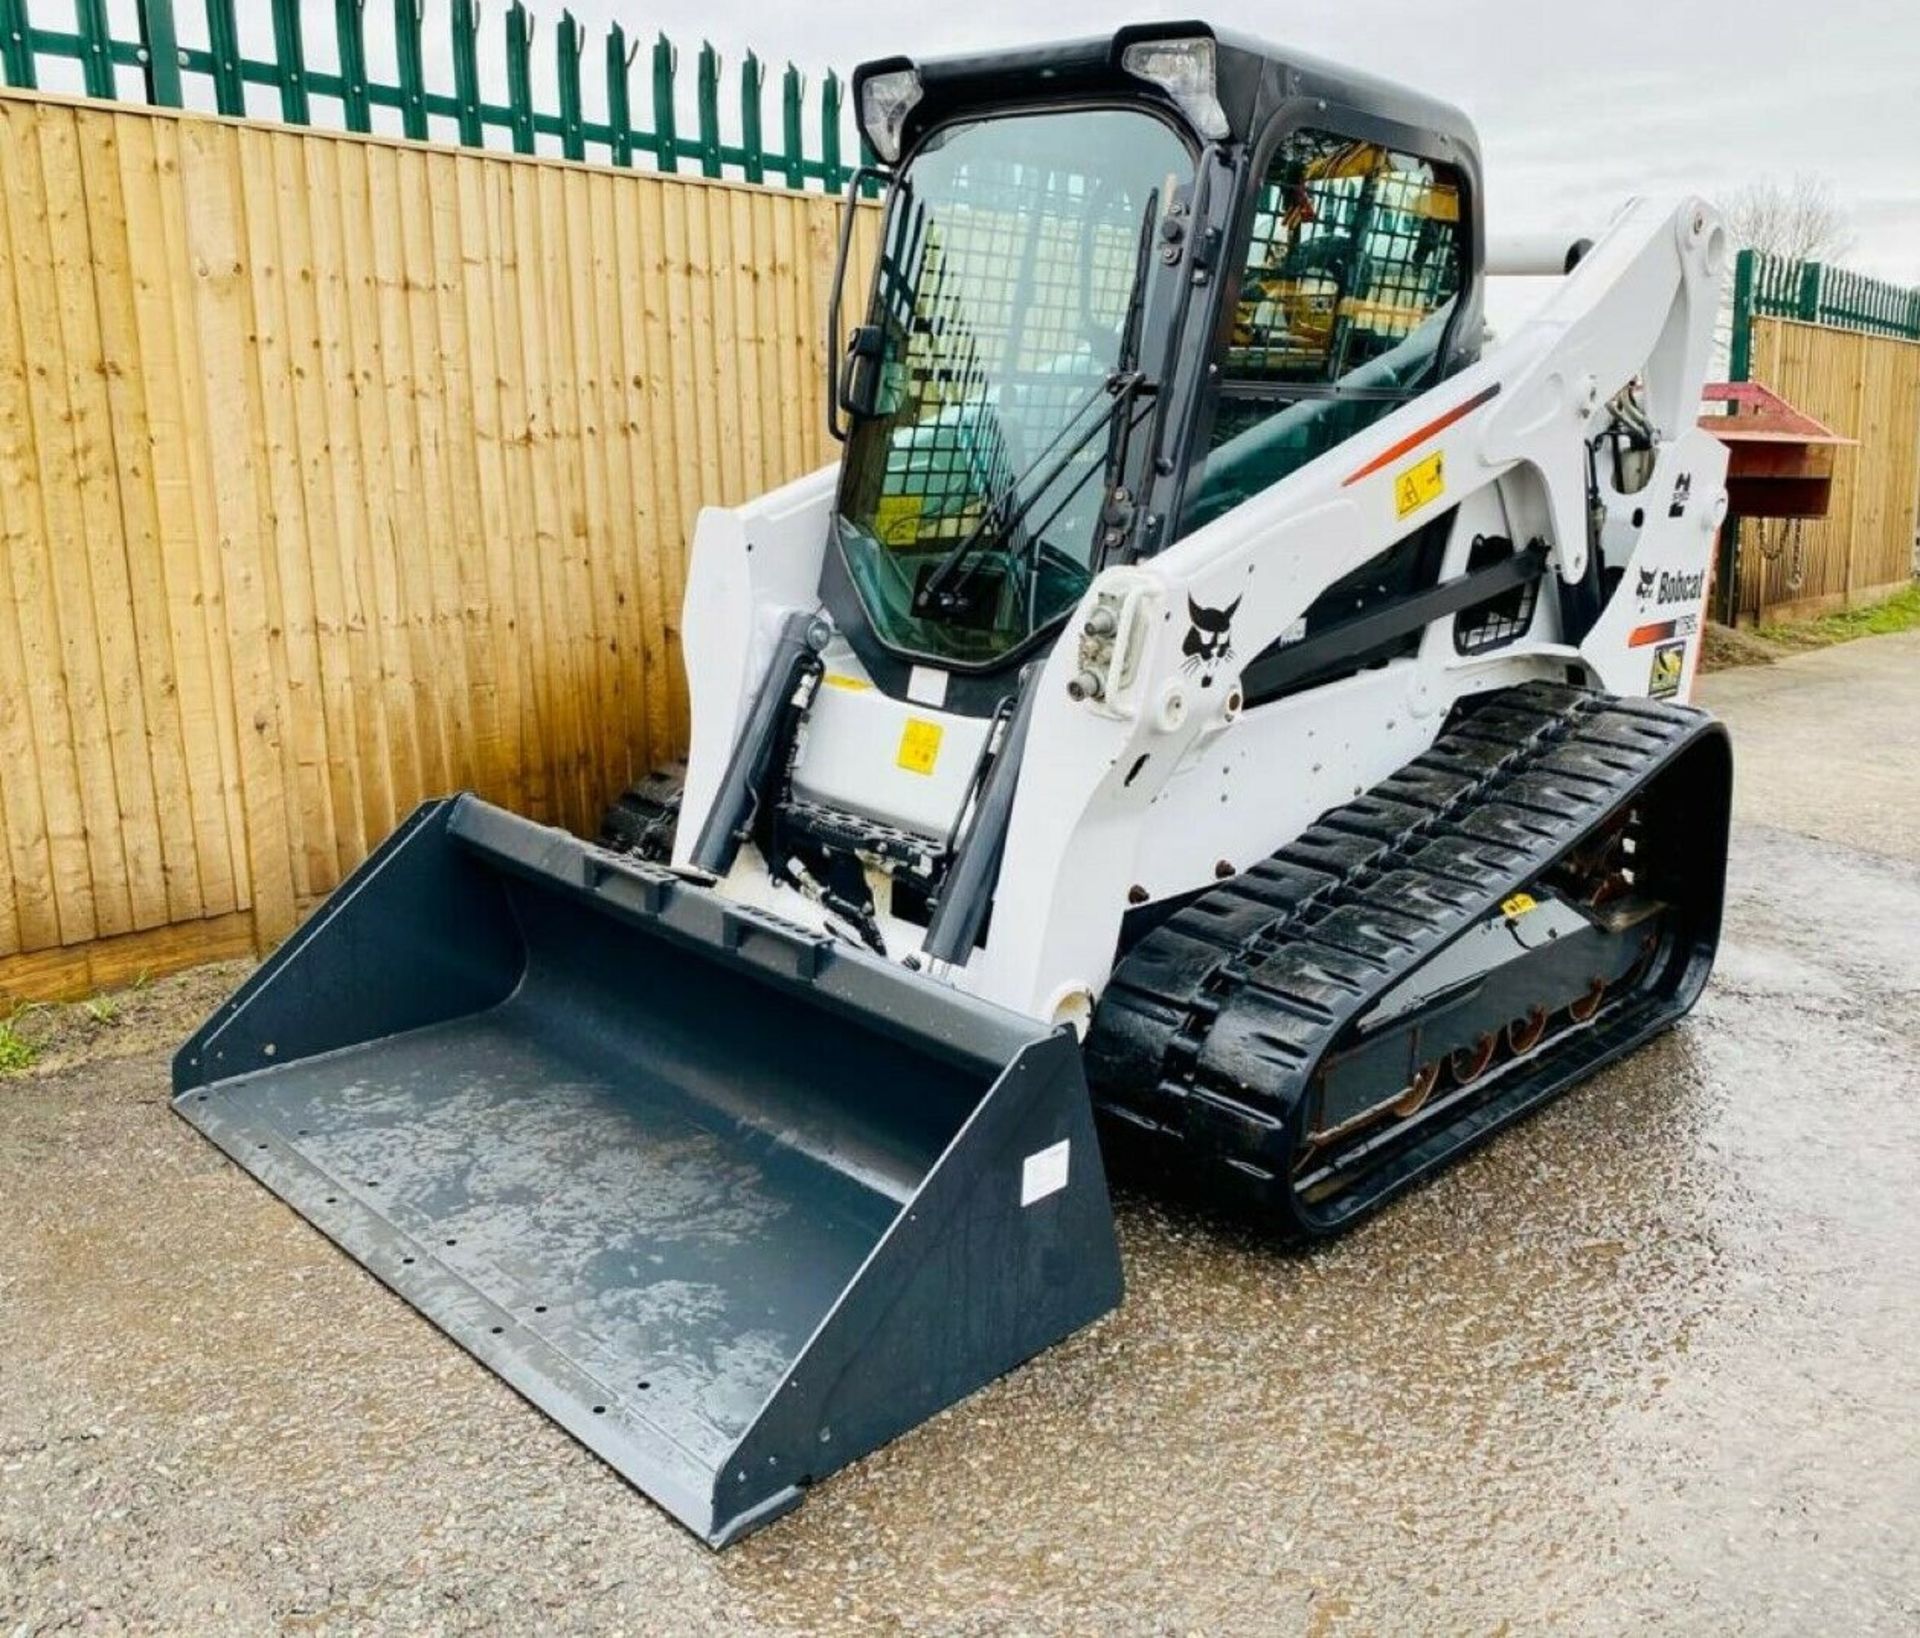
point(17, 1053)
point(1900, 612)
point(101, 1008)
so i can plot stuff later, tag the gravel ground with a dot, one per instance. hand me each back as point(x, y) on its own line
point(1645, 1362)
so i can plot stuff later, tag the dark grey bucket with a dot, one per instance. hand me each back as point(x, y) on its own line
point(732, 1203)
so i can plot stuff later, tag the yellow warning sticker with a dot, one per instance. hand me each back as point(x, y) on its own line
point(1422, 482)
point(896, 519)
point(853, 685)
point(1669, 666)
point(1518, 905)
point(919, 745)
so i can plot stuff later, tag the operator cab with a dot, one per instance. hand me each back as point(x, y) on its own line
point(1121, 285)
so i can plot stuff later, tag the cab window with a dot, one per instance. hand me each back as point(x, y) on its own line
point(1352, 270)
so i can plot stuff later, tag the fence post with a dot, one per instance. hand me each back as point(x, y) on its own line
point(161, 42)
point(666, 142)
point(1740, 343)
point(707, 100)
point(413, 71)
point(16, 50)
point(619, 100)
point(96, 48)
point(751, 137)
point(350, 30)
point(223, 39)
point(290, 62)
point(466, 71)
point(520, 75)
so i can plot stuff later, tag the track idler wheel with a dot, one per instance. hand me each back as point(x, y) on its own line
point(1411, 1101)
point(1469, 1063)
point(1588, 1004)
point(1523, 1034)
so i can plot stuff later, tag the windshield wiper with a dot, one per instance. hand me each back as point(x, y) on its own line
point(1122, 388)
point(1123, 385)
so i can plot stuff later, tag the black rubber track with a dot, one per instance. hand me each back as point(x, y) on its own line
point(643, 819)
point(1205, 1044)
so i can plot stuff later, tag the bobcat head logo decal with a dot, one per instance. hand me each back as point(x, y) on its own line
point(1643, 588)
point(1209, 639)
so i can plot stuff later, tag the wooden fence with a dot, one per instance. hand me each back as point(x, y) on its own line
point(1866, 387)
point(336, 473)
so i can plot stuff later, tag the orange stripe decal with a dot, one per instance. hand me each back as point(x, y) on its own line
point(1414, 440)
point(1643, 635)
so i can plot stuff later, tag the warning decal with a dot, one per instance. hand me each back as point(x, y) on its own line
point(1422, 482)
point(919, 745)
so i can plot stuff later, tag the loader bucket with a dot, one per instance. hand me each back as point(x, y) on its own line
point(731, 1202)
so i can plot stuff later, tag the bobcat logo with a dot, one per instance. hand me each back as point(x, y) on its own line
point(1209, 639)
point(1643, 589)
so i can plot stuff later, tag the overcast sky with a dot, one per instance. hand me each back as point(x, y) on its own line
point(1577, 106)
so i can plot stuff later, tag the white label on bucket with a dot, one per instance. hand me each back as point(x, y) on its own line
point(1044, 1172)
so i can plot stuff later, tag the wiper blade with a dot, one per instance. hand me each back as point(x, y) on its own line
point(1121, 387)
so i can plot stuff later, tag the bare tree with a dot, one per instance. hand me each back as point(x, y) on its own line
point(1799, 220)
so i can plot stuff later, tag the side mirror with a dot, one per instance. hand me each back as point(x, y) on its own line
point(859, 387)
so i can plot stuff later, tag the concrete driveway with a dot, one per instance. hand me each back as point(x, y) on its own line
point(1649, 1361)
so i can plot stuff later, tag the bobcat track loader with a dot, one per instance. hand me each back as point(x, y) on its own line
point(1215, 695)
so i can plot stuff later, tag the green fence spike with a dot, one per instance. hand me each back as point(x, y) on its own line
point(752, 142)
point(707, 103)
point(223, 41)
point(569, 44)
point(1740, 349)
point(160, 42)
point(832, 173)
point(350, 29)
point(666, 143)
point(520, 75)
point(619, 101)
point(96, 47)
point(16, 49)
point(413, 71)
point(466, 72)
point(870, 188)
point(1809, 291)
point(792, 142)
point(290, 62)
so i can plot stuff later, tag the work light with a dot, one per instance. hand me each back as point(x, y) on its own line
point(885, 101)
point(1184, 69)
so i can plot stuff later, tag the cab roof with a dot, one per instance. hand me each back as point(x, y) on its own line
point(1254, 81)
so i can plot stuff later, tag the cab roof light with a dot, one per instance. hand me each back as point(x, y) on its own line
point(1184, 69)
point(885, 101)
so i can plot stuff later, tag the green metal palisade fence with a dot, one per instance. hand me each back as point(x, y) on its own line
point(1773, 287)
point(166, 66)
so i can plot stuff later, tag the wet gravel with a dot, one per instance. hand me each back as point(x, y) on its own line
point(1647, 1362)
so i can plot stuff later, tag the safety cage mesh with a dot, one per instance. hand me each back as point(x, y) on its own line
point(996, 300)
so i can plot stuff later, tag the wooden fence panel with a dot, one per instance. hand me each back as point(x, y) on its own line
point(337, 473)
point(1866, 387)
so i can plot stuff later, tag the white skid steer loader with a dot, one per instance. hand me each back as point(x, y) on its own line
point(1208, 695)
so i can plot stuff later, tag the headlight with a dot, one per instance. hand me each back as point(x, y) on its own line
point(885, 102)
point(1184, 69)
